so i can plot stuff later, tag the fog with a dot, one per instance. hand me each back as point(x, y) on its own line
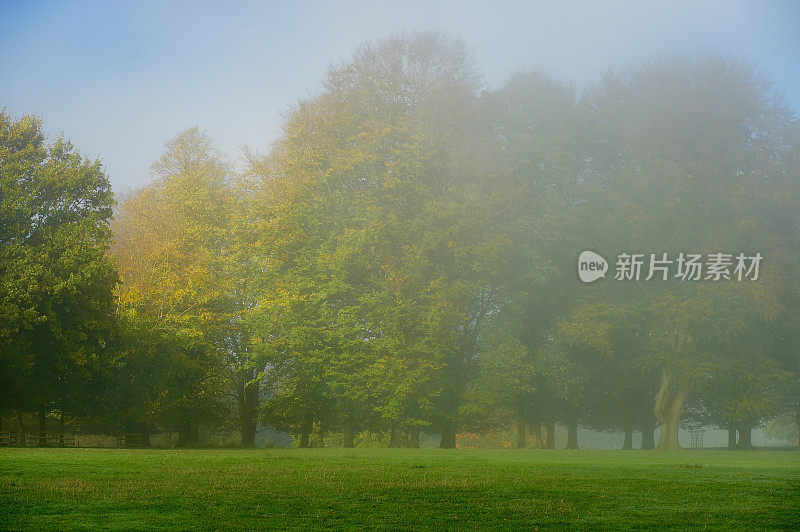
point(121, 78)
point(401, 225)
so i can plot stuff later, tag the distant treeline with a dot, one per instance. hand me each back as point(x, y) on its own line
point(405, 259)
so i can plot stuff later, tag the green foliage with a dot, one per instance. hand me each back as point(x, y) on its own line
point(404, 259)
point(56, 282)
point(172, 249)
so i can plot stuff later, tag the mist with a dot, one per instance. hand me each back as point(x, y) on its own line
point(120, 79)
point(532, 251)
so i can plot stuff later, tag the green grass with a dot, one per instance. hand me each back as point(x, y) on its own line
point(336, 488)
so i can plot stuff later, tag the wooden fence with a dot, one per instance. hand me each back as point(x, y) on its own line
point(21, 439)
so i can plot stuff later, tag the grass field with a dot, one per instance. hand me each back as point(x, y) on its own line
point(336, 488)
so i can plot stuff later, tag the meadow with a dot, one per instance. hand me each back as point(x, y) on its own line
point(405, 489)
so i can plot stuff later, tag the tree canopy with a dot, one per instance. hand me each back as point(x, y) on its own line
point(404, 259)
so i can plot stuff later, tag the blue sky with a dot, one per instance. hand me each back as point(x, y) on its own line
point(119, 78)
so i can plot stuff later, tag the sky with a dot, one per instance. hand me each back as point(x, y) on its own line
point(120, 78)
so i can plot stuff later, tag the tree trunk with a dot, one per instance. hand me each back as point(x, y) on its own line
point(184, 434)
point(572, 435)
point(648, 439)
point(413, 437)
point(248, 407)
point(398, 439)
point(668, 409)
point(20, 428)
point(745, 436)
point(550, 443)
point(448, 440)
point(42, 427)
point(349, 434)
point(188, 435)
point(248, 434)
point(61, 428)
point(319, 435)
point(627, 445)
point(305, 436)
point(536, 435)
point(797, 424)
point(731, 436)
point(521, 428)
point(144, 430)
point(140, 429)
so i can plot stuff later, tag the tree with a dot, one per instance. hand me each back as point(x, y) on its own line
point(534, 133)
point(606, 343)
point(742, 393)
point(172, 241)
point(56, 281)
point(382, 228)
point(694, 155)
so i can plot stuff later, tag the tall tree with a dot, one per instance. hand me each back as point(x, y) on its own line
point(693, 156)
point(382, 219)
point(171, 239)
point(534, 133)
point(56, 280)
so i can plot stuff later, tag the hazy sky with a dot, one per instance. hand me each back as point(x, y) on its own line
point(119, 78)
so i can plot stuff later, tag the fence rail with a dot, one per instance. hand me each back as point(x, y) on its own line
point(21, 439)
point(130, 441)
point(697, 439)
point(29, 439)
